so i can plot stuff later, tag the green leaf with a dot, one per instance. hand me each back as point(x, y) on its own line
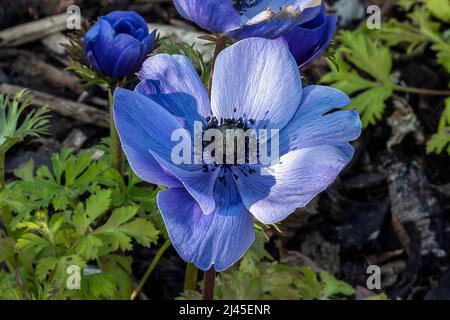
point(371, 104)
point(308, 285)
point(119, 230)
point(443, 53)
point(7, 287)
point(334, 287)
point(17, 121)
point(439, 8)
point(100, 285)
point(89, 247)
point(70, 177)
point(53, 270)
point(380, 296)
point(120, 268)
point(32, 243)
point(96, 205)
point(44, 267)
point(364, 71)
point(440, 140)
point(25, 171)
point(7, 252)
point(367, 55)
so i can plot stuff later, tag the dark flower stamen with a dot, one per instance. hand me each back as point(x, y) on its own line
point(242, 5)
point(230, 124)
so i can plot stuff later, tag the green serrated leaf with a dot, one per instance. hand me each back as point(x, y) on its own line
point(32, 243)
point(98, 286)
point(334, 287)
point(119, 230)
point(308, 285)
point(25, 171)
point(371, 104)
point(44, 267)
point(439, 8)
point(89, 247)
point(364, 71)
point(440, 140)
point(96, 205)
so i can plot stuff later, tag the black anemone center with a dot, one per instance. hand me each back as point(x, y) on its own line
point(242, 5)
point(225, 125)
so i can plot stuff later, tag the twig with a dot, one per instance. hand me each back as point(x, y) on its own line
point(64, 107)
point(32, 31)
point(184, 35)
point(32, 66)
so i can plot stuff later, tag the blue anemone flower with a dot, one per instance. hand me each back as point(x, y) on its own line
point(118, 44)
point(240, 19)
point(209, 209)
point(309, 40)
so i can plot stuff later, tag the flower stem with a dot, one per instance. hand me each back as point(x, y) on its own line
point(116, 150)
point(209, 280)
point(149, 271)
point(425, 91)
point(220, 45)
point(190, 277)
point(6, 214)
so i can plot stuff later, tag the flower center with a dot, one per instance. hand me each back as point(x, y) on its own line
point(242, 5)
point(237, 142)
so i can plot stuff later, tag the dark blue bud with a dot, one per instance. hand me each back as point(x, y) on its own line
point(117, 45)
point(309, 40)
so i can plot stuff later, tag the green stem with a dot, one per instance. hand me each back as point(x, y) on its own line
point(190, 277)
point(6, 214)
point(425, 91)
point(220, 45)
point(209, 280)
point(116, 149)
point(149, 271)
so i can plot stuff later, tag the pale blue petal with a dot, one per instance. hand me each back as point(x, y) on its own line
point(173, 83)
point(139, 133)
point(212, 15)
point(313, 125)
point(256, 79)
point(218, 239)
point(292, 183)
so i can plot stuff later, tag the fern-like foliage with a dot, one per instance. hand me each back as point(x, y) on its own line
point(363, 64)
point(258, 277)
point(17, 121)
point(362, 70)
point(440, 141)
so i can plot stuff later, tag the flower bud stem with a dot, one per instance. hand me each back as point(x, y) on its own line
point(221, 44)
point(190, 277)
point(6, 214)
point(116, 150)
point(152, 266)
point(209, 280)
